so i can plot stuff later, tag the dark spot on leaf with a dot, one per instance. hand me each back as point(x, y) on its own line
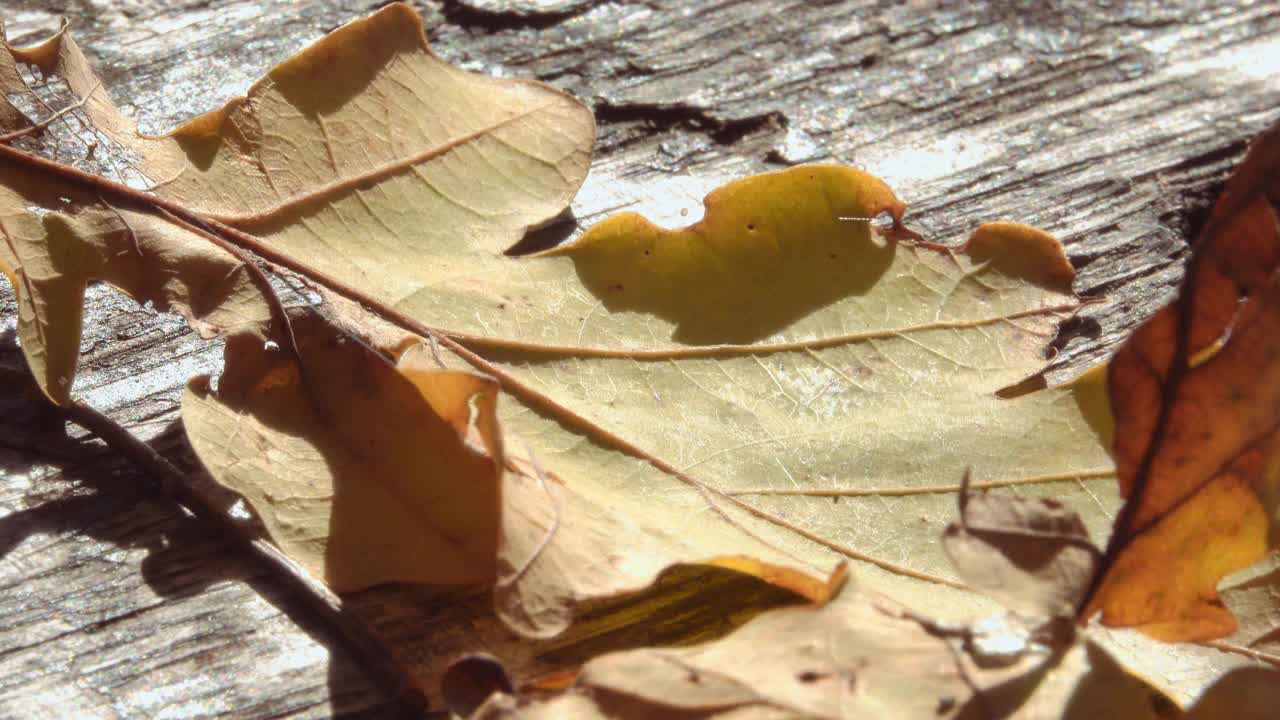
point(502, 306)
point(833, 256)
point(616, 287)
point(945, 704)
point(751, 227)
point(695, 678)
point(809, 676)
point(648, 252)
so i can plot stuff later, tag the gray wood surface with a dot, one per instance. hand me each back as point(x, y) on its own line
point(1109, 124)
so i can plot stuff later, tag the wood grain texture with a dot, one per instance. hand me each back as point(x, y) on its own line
point(1109, 125)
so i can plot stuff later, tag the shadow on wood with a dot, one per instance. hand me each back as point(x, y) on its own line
point(97, 510)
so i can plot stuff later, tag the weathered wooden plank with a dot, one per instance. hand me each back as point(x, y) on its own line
point(1110, 126)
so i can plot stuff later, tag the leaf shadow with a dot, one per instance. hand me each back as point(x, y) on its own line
point(1004, 699)
point(713, 309)
point(90, 491)
point(1095, 694)
point(549, 234)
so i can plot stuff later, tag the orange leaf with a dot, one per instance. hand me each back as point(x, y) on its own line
point(1196, 396)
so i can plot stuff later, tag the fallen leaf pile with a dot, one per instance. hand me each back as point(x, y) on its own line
point(778, 390)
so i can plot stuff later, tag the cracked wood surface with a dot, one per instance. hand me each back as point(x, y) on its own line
point(1110, 127)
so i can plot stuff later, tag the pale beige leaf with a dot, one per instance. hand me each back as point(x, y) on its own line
point(368, 144)
point(368, 159)
point(865, 362)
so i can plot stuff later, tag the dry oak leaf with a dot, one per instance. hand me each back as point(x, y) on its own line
point(365, 154)
point(401, 180)
point(1196, 396)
